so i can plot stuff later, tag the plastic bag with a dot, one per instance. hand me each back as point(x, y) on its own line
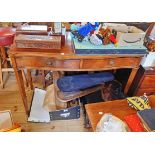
point(110, 123)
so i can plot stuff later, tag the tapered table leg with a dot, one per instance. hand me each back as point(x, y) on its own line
point(130, 79)
point(20, 82)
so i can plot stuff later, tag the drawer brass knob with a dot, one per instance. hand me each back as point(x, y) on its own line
point(111, 62)
point(49, 63)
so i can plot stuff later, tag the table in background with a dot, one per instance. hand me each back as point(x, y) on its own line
point(119, 108)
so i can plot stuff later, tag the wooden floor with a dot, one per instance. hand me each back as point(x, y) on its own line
point(11, 100)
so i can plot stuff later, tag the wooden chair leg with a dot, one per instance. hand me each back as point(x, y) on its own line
point(37, 72)
point(43, 78)
point(3, 64)
point(30, 78)
point(3, 53)
point(24, 77)
point(1, 74)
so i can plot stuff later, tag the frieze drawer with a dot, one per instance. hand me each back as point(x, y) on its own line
point(41, 62)
point(108, 63)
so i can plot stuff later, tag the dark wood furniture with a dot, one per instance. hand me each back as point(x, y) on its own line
point(144, 82)
point(66, 60)
point(119, 108)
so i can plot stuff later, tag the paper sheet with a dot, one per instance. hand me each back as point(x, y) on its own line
point(38, 113)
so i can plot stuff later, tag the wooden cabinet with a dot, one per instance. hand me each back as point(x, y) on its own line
point(144, 82)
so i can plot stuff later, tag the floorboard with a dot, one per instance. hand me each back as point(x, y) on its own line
point(10, 100)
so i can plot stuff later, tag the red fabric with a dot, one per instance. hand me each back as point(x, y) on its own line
point(134, 123)
point(7, 31)
point(112, 39)
point(6, 36)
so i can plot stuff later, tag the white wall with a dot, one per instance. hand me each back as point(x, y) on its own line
point(149, 60)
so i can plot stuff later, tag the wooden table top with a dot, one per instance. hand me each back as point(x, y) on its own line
point(66, 52)
point(119, 108)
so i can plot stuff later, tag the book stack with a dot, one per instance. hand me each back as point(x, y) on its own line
point(147, 117)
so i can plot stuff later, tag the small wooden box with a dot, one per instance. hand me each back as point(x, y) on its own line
point(38, 41)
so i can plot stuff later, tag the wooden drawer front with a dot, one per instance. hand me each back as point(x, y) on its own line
point(41, 62)
point(108, 63)
point(70, 64)
point(148, 81)
point(148, 91)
